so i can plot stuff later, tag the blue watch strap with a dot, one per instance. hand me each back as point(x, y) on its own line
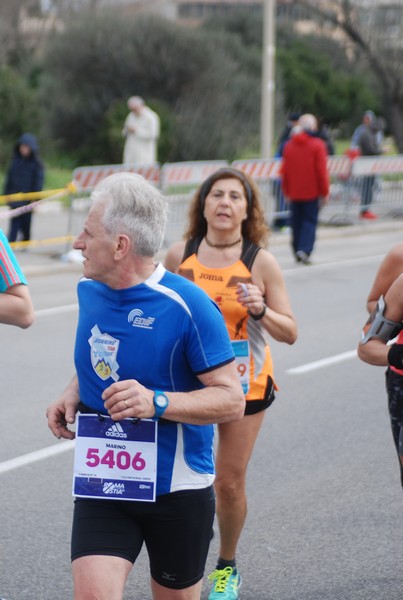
point(161, 403)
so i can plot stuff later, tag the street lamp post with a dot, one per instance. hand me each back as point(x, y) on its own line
point(268, 78)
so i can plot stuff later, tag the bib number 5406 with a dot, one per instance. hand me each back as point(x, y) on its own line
point(121, 459)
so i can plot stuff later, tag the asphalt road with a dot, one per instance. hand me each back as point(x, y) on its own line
point(325, 503)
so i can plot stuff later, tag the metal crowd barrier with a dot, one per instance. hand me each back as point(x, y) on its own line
point(178, 181)
point(349, 181)
point(380, 175)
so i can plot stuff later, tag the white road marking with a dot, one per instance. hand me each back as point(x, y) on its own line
point(50, 451)
point(331, 360)
point(324, 362)
point(348, 262)
point(31, 457)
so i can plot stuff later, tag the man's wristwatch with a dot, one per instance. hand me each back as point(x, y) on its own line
point(161, 403)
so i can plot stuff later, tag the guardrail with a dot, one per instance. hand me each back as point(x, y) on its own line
point(179, 180)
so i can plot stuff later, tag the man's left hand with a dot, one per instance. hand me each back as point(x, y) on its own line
point(128, 399)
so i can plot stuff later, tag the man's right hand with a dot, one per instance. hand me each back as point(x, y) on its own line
point(62, 413)
point(59, 417)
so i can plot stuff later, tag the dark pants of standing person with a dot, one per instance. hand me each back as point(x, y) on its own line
point(21, 223)
point(304, 220)
point(367, 192)
point(282, 208)
point(394, 387)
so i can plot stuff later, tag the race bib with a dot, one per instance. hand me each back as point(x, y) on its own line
point(115, 459)
point(242, 358)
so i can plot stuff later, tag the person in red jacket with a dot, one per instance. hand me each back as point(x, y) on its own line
point(305, 182)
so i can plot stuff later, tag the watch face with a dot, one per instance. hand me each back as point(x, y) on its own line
point(162, 401)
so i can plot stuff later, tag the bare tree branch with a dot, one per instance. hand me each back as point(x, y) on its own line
point(344, 16)
point(345, 20)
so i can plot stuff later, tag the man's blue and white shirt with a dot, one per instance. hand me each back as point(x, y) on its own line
point(163, 333)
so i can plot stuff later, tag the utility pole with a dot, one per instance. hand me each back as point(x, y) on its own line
point(268, 78)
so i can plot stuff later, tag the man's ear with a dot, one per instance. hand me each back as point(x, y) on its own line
point(122, 246)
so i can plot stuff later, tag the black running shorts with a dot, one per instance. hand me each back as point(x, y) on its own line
point(254, 406)
point(176, 530)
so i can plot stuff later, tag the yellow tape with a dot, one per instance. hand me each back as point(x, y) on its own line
point(31, 196)
point(56, 240)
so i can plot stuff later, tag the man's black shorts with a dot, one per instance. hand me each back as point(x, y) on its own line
point(176, 530)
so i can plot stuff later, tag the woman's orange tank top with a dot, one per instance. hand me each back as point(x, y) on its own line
point(254, 359)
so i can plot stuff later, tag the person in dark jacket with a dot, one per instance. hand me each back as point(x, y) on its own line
point(25, 174)
point(324, 134)
point(366, 140)
point(281, 220)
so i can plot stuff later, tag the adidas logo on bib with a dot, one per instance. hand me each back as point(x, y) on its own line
point(116, 431)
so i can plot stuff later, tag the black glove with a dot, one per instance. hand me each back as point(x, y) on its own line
point(395, 356)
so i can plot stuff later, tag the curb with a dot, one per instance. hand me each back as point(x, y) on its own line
point(324, 231)
point(328, 231)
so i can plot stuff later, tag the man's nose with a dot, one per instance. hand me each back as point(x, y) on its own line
point(78, 243)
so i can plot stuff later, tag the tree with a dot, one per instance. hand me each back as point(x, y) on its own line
point(21, 29)
point(114, 57)
point(313, 72)
point(374, 36)
point(316, 77)
point(209, 102)
point(220, 113)
point(19, 110)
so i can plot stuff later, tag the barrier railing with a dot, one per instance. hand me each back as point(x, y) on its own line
point(379, 176)
point(86, 178)
point(348, 179)
point(179, 180)
point(187, 174)
point(36, 200)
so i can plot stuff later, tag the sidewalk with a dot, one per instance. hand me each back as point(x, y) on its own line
point(50, 228)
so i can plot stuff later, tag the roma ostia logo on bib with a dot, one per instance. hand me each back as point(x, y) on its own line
point(104, 349)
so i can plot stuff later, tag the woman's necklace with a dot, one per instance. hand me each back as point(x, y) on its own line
point(222, 245)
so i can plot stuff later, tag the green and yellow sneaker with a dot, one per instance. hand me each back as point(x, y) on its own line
point(226, 584)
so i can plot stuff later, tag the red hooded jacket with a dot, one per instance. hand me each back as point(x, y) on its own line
point(304, 168)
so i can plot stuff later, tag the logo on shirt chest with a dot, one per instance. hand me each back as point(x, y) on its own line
point(137, 319)
point(104, 350)
point(211, 277)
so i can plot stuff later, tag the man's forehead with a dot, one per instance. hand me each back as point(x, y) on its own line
point(95, 214)
point(97, 209)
